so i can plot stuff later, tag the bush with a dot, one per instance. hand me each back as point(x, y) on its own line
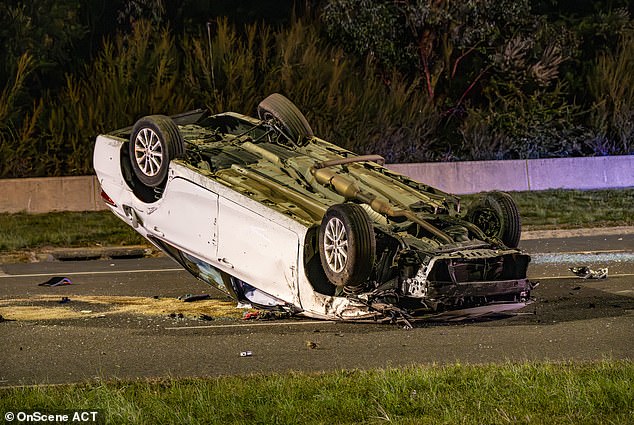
point(344, 101)
point(144, 72)
point(486, 95)
point(612, 85)
point(133, 76)
point(18, 127)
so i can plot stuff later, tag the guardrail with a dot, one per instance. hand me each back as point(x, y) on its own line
point(82, 193)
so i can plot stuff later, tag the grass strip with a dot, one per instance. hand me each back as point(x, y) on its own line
point(569, 209)
point(543, 210)
point(562, 393)
point(65, 229)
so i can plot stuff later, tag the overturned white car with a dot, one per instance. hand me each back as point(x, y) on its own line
point(276, 217)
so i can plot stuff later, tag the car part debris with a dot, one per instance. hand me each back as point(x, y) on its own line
point(265, 315)
point(250, 315)
point(281, 220)
point(585, 272)
point(56, 281)
point(191, 298)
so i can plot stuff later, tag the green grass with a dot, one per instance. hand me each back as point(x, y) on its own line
point(531, 393)
point(549, 209)
point(66, 229)
point(569, 209)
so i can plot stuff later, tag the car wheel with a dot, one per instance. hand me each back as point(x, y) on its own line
point(496, 214)
point(347, 246)
point(154, 142)
point(286, 116)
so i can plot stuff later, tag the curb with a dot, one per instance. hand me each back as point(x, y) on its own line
point(80, 254)
point(572, 233)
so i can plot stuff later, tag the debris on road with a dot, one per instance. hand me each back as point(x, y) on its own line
point(585, 272)
point(311, 344)
point(265, 315)
point(246, 354)
point(56, 281)
point(64, 300)
point(251, 315)
point(190, 298)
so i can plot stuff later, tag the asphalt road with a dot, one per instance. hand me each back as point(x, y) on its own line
point(572, 319)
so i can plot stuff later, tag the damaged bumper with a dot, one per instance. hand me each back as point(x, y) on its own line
point(471, 277)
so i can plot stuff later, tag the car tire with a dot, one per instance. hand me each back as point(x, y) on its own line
point(347, 246)
point(155, 140)
point(496, 214)
point(286, 116)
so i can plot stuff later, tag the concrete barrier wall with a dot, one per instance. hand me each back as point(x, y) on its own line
point(581, 173)
point(39, 195)
point(533, 174)
point(36, 195)
point(468, 177)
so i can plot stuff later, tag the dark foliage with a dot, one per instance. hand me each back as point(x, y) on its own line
point(413, 80)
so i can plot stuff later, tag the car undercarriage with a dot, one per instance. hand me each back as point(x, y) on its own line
point(387, 245)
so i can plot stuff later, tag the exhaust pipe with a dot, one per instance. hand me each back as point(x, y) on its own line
point(350, 190)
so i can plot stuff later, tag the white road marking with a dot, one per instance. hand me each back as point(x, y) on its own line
point(246, 325)
point(578, 278)
point(105, 272)
point(603, 251)
point(612, 275)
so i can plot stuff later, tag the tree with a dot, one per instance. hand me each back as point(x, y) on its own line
point(45, 29)
point(481, 57)
point(451, 45)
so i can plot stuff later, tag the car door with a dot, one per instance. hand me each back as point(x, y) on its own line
point(258, 250)
point(186, 218)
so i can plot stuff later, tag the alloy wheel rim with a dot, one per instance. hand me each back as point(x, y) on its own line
point(148, 152)
point(336, 245)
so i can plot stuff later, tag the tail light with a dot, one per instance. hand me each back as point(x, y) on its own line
point(107, 199)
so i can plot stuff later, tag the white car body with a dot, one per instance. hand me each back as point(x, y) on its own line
point(227, 230)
